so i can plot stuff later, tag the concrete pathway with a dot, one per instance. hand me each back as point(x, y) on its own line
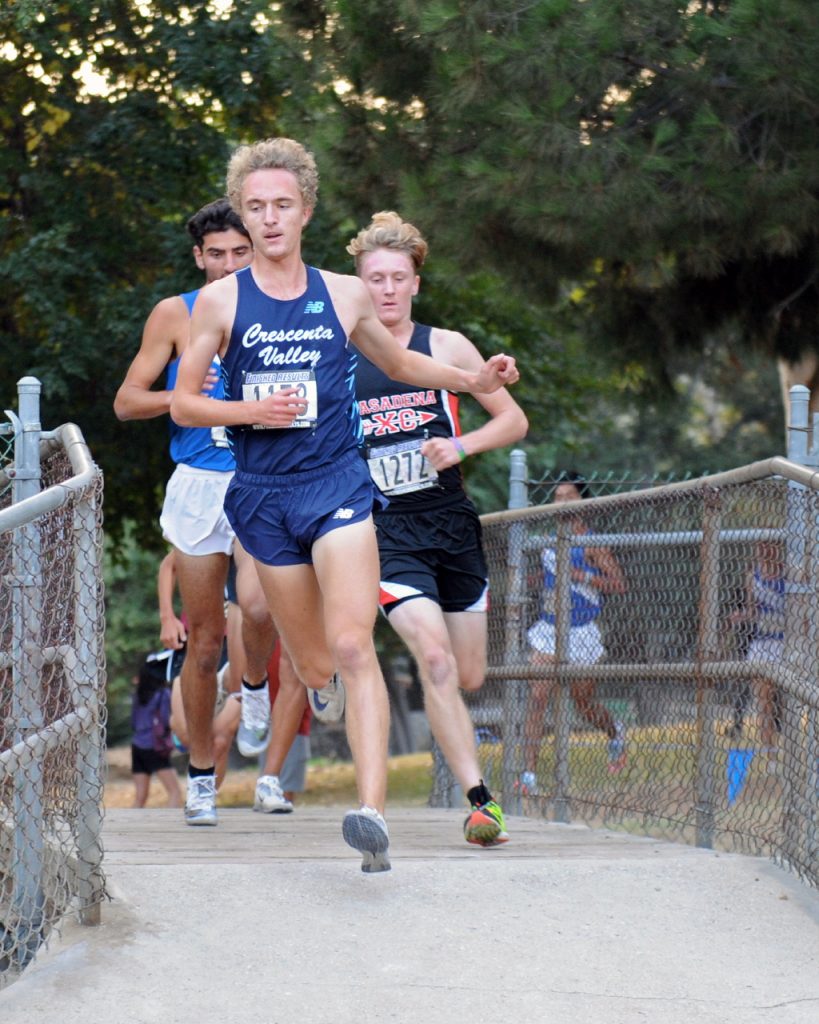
point(268, 920)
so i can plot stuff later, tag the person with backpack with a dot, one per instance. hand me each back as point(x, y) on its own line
point(151, 741)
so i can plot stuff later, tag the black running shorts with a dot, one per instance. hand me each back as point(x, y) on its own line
point(435, 554)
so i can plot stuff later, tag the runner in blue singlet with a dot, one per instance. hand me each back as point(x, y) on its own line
point(193, 519)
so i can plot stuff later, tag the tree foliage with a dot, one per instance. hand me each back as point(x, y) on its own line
point(117, 118)
point(654, 154)
point(663, 154)
point(644, 173)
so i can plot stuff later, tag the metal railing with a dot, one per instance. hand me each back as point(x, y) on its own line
point(653, 659)
point(52, 682)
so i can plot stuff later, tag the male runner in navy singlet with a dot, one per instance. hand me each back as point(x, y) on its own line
point(301, 500)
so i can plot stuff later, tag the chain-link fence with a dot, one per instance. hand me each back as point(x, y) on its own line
point(6, 458)
point(653, 656)
point(541, 491)
point(52, 682)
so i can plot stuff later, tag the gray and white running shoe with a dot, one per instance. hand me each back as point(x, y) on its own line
point(200, 804)
point(366, 831)
point(269, 796)
point(254, 728)
point(327, 704)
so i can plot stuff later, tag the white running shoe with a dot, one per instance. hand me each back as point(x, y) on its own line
point(327, 704)
point(200, 805)
point(366, 831)
point(269, 796)
point(254, 728)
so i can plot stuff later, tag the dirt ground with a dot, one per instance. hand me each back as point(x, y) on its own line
point(326, 784)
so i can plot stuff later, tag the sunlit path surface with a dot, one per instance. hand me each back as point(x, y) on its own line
point(268, 920)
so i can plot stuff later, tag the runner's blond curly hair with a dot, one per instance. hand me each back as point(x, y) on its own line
point(388, 231)
point(277, 153)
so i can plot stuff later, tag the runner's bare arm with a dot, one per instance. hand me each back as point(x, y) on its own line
point(165, 327)
point(357, 314)
point(507, 422)
point(172, 632)
point(611, 579)
point(210, 332)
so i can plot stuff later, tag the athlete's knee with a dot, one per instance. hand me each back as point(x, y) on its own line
point(256, 612)
point(204, 650)
point(353, 651)
point(289, 681)
point(221, 745)
point(437, 665)
point(471, 676)
point(582, 693)
point(539, 692)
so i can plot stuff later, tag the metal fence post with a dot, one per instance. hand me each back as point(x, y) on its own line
point(707, 651)
point(562, 686)
point(90, 685)
point(28, 897)
point(800, 628)
point(799, 397)
point(515, 691)
point(800, 745)
point(518, 479)
point(796, 578)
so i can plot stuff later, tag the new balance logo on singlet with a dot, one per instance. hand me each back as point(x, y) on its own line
point(344, 513)
point(314, 307)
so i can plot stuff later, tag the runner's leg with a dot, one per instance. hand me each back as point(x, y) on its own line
point(423, 627)
point(325, 614)
point(201, 585)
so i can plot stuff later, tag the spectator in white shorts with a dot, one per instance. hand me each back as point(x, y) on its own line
point(595, 573)
point(764, 612)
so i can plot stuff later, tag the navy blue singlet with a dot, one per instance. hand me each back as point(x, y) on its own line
point(300, 343)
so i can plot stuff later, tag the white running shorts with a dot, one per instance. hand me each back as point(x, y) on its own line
point(585, 643)
point(193, 517)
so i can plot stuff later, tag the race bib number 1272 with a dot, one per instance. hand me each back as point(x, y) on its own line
point(401, 468)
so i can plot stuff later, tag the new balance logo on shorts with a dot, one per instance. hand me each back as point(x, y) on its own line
point(344, 513)
point(314, 307)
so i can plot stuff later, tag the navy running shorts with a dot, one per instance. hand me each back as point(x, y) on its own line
point(279, 518)
point(436, 554)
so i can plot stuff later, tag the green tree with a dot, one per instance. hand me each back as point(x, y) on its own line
point(665, 155)
point(724, 412)
point(117, 119)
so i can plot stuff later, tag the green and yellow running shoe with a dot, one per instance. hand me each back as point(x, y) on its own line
point(484, 825)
